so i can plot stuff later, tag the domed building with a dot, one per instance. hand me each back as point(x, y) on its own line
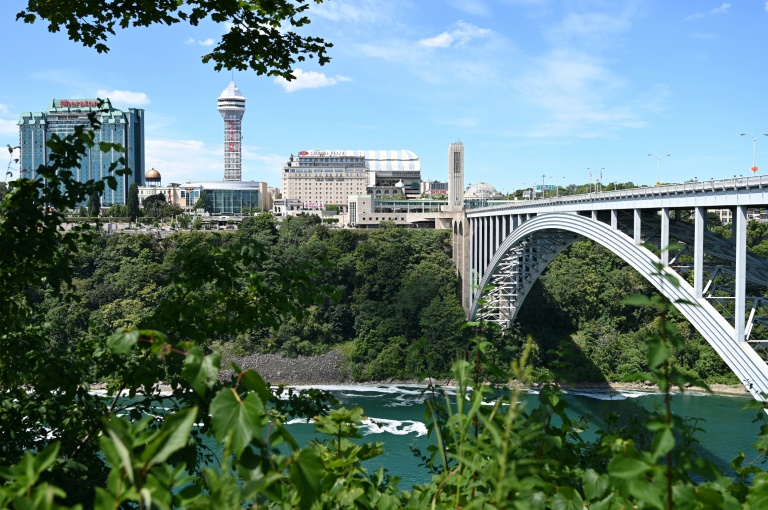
point(152, 178)
point(482, 190)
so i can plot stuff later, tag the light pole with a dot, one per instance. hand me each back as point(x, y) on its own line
point(557, 185)
point(543, 194)
point(658, 166)
point(754, 149)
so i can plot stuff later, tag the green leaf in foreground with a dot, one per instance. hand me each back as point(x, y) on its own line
point(236, 420)
point(200, 370)
point(173, 436)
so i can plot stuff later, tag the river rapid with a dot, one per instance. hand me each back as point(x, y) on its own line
point(396, 418)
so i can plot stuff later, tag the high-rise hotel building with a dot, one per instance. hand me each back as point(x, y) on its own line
point(121, 127)
point(232, 108)
point(318, 178)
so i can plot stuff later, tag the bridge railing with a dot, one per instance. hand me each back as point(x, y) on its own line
point(708, 186)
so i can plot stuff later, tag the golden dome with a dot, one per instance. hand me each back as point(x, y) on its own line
point(152, 175)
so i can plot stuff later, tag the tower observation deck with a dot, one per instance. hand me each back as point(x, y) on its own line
point(232, 108)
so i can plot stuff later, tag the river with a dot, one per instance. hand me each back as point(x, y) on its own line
point(397, 419)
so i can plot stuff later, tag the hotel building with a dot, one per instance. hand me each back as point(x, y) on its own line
point(62, 116)
point(318, 178)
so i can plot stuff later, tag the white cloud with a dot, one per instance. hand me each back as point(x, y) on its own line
point(309, 80)
point(9, 127)
point(358, 11)
point(124, 97)
point(723, 9)
point(207, 42)
point(183, 161)
point(472, 7)
point(439, 41)
point(461, 35)
point(576, 91)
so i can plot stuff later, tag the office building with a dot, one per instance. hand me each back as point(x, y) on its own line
point(231, 106)
point(62, 116)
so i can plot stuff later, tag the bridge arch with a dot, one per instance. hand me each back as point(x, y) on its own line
point(527, 251)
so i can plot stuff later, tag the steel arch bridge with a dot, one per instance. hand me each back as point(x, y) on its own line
point(500, 251)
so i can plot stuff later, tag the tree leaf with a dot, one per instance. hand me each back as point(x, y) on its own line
point(637, 300)
point(173, 436)
point(122, 340)
point(306, 472)
point(622, 467)
point(236, 420)
point(200, 370)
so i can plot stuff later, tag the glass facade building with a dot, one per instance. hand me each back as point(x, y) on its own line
point(228, 197)
point(125, 128)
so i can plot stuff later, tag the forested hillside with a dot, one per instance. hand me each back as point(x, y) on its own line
point(389, 300)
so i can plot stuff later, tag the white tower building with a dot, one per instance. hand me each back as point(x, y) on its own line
point(232, 109)
point(456, 176)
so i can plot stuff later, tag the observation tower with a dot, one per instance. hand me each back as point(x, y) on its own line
point(232, 108)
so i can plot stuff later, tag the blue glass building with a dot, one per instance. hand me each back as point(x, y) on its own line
point(122, 127)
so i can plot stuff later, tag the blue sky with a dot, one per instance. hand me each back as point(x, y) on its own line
point(532, 88)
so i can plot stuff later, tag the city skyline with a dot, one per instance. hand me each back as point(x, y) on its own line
point(532, 87)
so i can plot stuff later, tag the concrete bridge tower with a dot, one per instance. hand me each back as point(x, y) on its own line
point(456, 177)
point(459, 222)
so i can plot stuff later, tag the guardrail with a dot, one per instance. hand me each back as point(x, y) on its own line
point(709, 186)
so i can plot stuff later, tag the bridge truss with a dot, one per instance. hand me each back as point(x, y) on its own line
point(508, 253)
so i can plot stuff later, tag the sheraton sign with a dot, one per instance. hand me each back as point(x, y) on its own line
point(77, 103)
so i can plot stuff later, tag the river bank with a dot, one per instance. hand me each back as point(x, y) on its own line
point(331, 369)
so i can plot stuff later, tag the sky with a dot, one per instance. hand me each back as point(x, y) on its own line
point(539, 91)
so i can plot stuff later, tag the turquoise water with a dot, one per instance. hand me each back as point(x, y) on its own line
point(397, 419)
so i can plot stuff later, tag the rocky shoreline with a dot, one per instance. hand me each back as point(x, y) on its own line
point(331, 369)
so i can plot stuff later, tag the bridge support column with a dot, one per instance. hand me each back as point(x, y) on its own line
point(497, 220)
point(664, 243)
point(614, 219)
point(700, 223)
point(638, 227)
point(740, 220)
point(594, 214)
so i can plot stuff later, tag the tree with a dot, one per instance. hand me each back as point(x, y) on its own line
point(198, 223)
point(133, 202)
point(202, 202)
point(151, 199)
point(118, 211)
point(94, 205)
point(258, 37)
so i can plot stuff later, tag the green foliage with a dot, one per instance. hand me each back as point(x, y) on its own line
point(203, 202)
point(262, 36)
point(133, 202)
point(94, 205)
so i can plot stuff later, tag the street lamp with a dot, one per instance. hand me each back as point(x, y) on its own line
point(754, 149)
point(658, 166)
point(557, 186)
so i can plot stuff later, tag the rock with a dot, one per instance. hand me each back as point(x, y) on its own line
point(325, 369)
